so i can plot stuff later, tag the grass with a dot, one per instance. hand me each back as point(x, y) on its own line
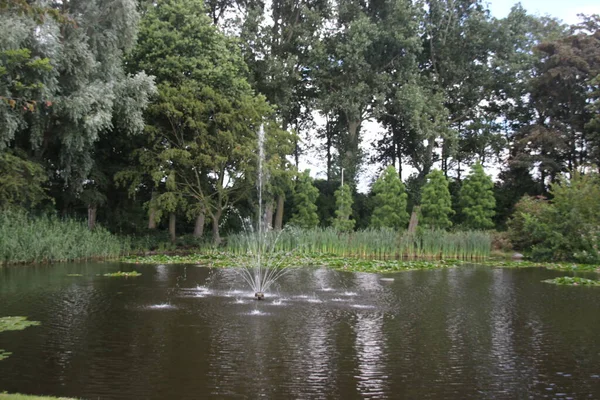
point(16, 396)
point(573, 281)
point(371, 243)
point(44, 239)
point(123, 274)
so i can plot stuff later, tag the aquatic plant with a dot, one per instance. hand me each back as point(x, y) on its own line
point(372, 243)
point(573, 281)
point(27, 239)
point(123, 274)
point(14, 324)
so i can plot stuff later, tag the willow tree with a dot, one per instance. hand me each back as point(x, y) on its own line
point(203, 125)
point(63, 84)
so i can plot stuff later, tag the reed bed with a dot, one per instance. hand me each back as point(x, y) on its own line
point(370, 243)
point(26, 239)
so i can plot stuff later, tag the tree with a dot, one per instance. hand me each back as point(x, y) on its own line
point(21, 182)
point(305, 195)
point(343, 202)
point(203, 126)
point(355, 64)
point(436, 203)
point(390, 201)
point(477, 199)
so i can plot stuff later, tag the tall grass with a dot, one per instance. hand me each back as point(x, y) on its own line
point(26, 239)
point(371, 243)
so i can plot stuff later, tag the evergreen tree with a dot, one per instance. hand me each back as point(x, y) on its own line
point(436, 203)
point(477, 199)
point(343, 202)
point(390, 201)
point(305, 196)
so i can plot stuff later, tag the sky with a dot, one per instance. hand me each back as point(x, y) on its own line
point(566, 10)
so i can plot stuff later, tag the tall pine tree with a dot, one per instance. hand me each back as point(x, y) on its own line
point(390, 201)
point(477, 199)
point(436, 203)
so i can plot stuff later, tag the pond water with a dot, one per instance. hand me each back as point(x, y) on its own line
point(192, 332)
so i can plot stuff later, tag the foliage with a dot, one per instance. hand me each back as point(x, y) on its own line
point(28, 239)
point(21, 182)
point(477, 199)
point(436, 203)
point(343, 202)
point(573, 281)
point(380, 243)
point(202, 127)
point(123, 274)
point(390, 201)
point(291, 260)
point(567, 227)
point(305, 195)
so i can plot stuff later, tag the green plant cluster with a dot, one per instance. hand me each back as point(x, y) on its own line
point(221, 260)
point(573, 281)
point(123, 274)
point(382, 243)
point(14, 324)
point(565, 228)
point(27, 239)
point(390, 201)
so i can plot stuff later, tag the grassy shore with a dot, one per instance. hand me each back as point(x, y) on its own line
point(46, 239)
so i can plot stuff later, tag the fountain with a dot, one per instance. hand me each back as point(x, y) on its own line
point(262, 271)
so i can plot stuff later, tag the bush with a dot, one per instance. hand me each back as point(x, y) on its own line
point(568, 228)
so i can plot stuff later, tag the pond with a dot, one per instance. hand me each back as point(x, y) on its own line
point(189, 332)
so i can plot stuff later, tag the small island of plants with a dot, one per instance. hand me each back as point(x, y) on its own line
point(573, 281)
point(123, 274)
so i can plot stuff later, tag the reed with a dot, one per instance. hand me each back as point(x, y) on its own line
point(27, 239)
point(370, 243)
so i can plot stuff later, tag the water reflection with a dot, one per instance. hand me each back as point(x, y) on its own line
point(371, 352)
point(454, 333)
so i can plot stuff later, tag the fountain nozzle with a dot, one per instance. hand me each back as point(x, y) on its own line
point(259, 295)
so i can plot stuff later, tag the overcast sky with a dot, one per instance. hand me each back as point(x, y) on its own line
point(565, 10)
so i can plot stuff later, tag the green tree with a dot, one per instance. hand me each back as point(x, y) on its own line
point(477, 199)
point(390, 201)
point(436, 203)
point(305, 196)
point(21, 182)
point(203, 125)
point(343, 202)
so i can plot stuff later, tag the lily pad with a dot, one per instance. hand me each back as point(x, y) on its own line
point(125, 274)
point(16, 323)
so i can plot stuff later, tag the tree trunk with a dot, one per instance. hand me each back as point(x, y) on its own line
point(152, 214)
point(414, 220)
point(172, 227)
point(268, 222)
point(279, 215)
point(199, 228)
point(215, 227)
point(92, 209)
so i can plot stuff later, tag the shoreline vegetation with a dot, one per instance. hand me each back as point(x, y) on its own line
point(350, 264)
